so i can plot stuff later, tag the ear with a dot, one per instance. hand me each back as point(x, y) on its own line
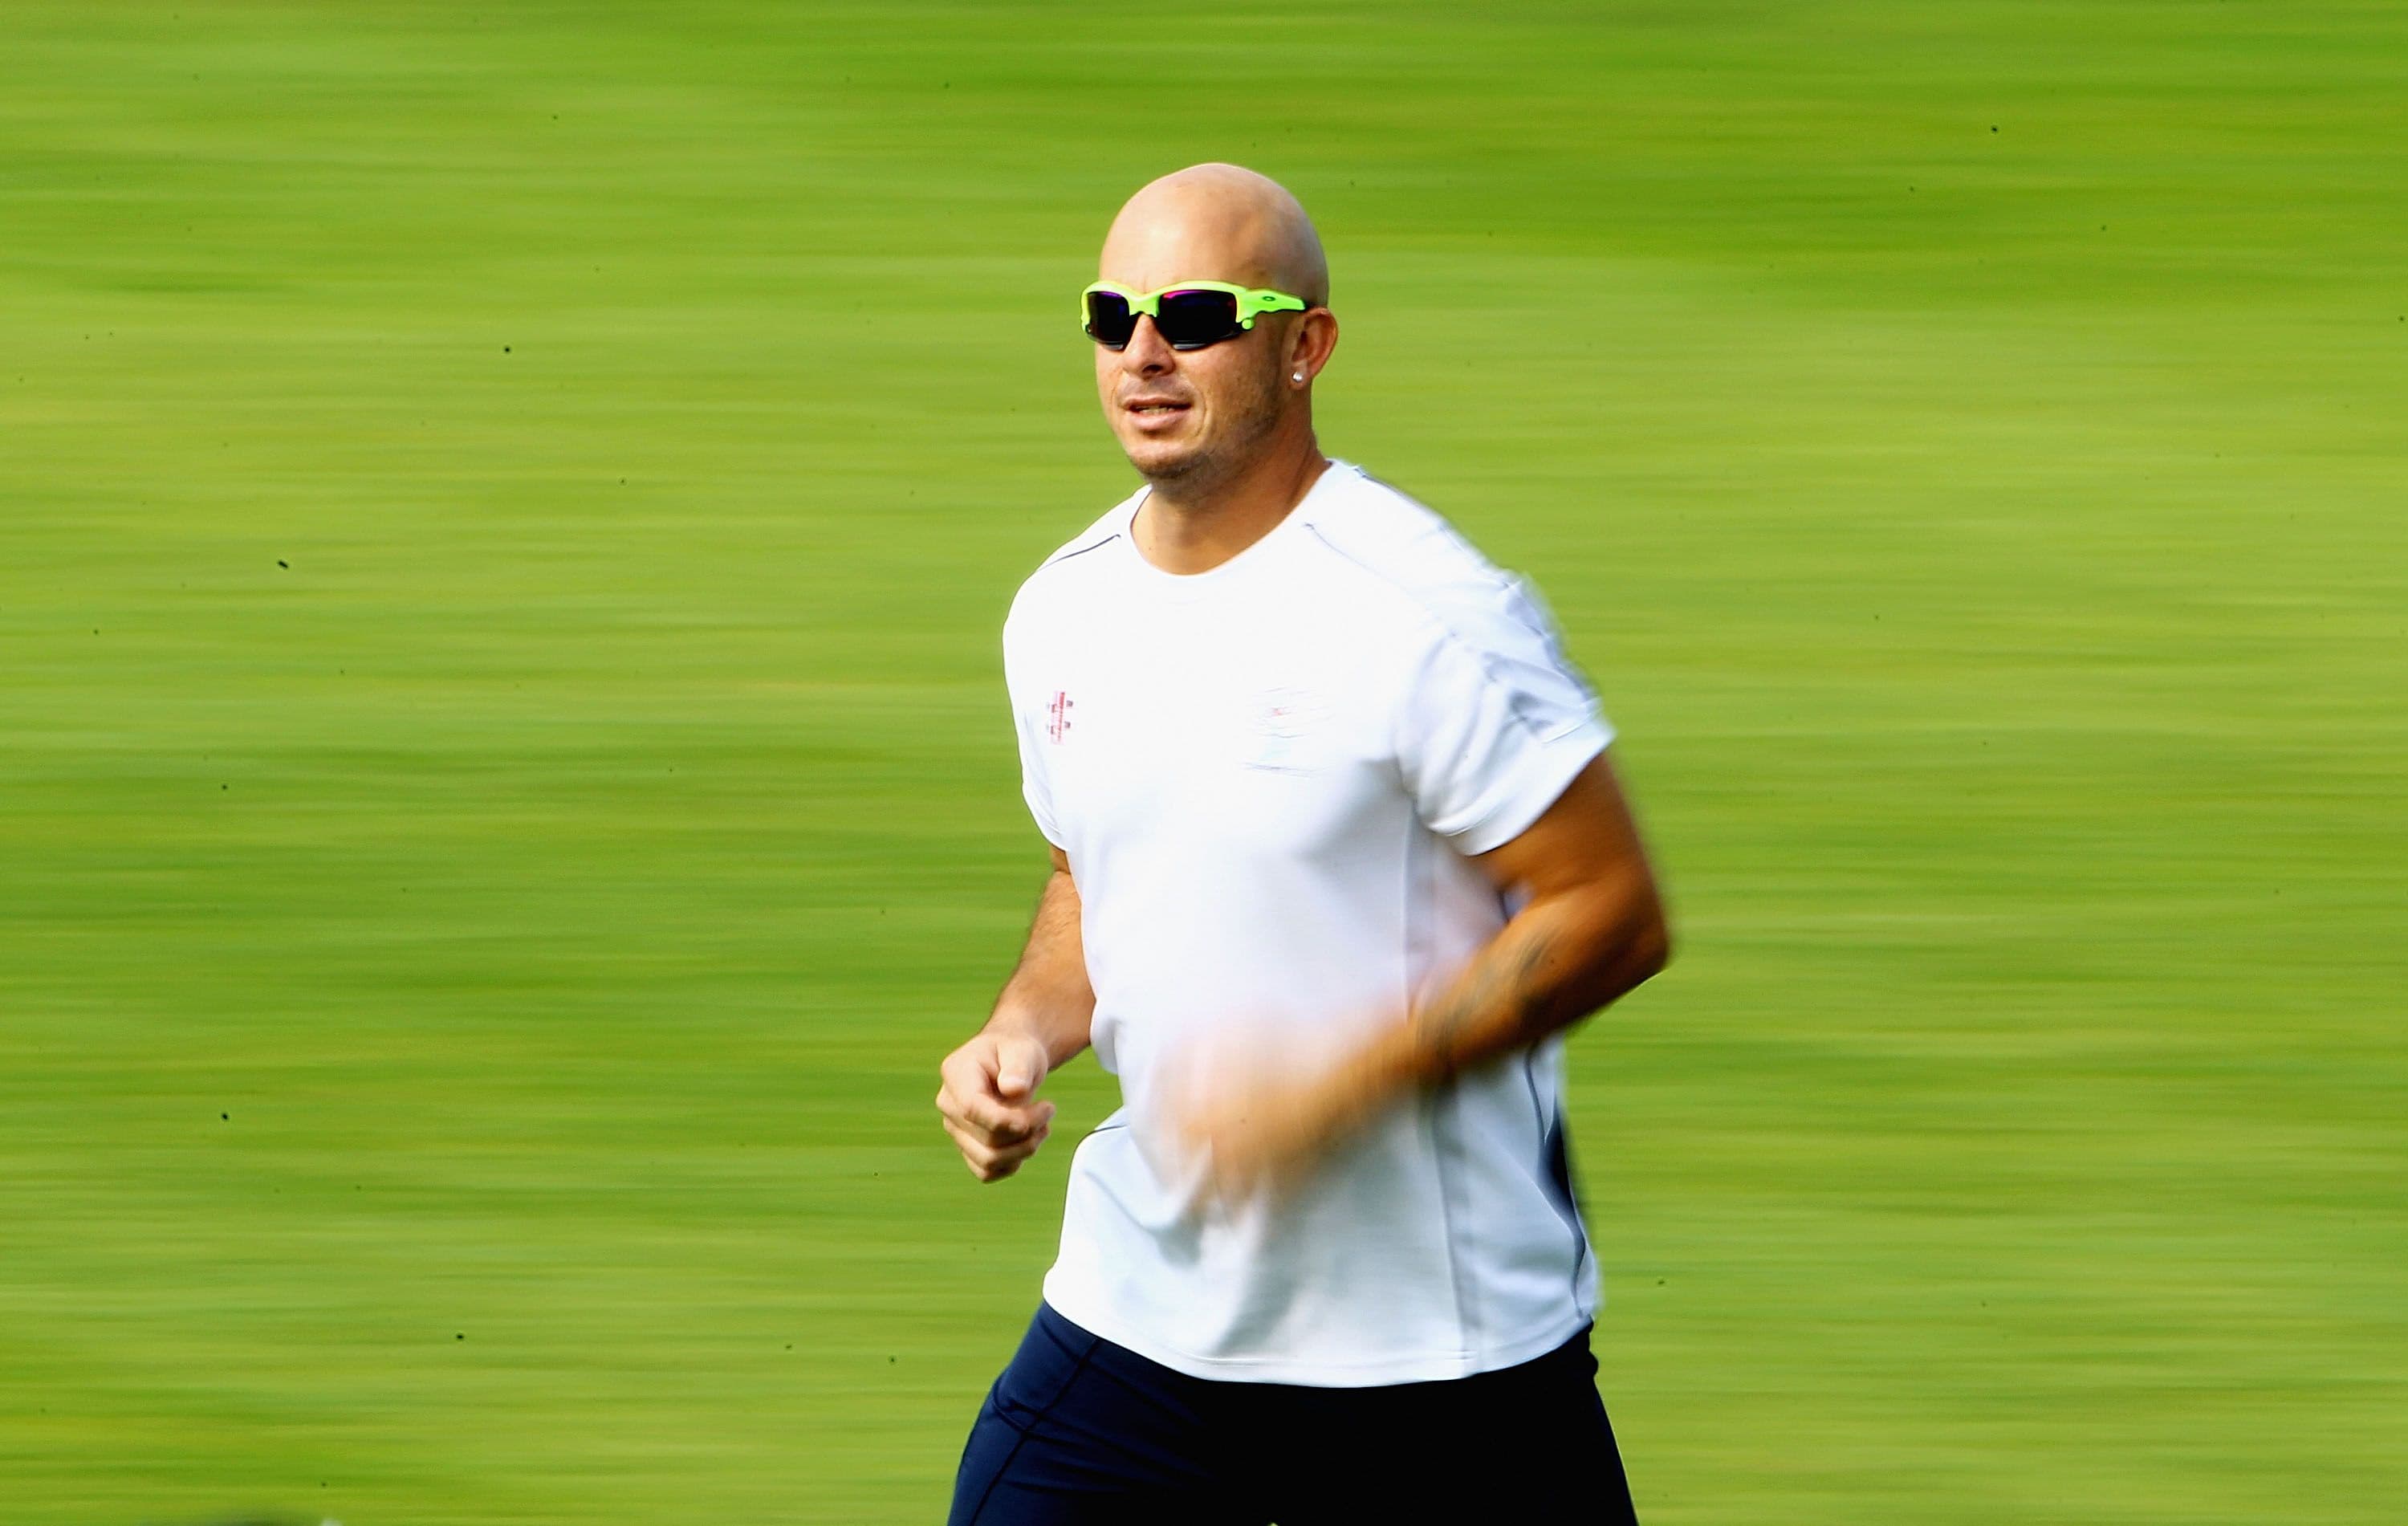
point(1309, 340)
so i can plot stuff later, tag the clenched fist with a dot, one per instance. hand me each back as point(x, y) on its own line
point(988, 1103)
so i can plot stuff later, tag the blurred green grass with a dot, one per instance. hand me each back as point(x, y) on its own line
point(505, 513)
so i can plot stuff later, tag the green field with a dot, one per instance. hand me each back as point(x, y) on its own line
point(505, 792)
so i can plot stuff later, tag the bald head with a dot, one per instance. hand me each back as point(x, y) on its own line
point(1201, 422)
point(1217, 223)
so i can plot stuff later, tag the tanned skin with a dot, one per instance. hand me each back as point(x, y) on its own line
point(1224, 436)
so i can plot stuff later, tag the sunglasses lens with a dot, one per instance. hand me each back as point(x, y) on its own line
point(1192, 320)
point(1110, 322)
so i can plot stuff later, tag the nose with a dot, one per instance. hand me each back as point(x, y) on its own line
point(1147, 354)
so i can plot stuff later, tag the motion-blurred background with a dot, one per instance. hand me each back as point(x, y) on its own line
point(505, 792)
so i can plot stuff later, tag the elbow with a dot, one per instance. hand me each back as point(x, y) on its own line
point(1647, 934)
point(1632, 943)
point(1651, 944)
point(1627, 955)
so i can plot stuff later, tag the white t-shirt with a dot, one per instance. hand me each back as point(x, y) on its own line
point(1266, 777)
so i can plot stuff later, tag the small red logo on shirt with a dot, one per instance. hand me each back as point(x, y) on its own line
point(1057, 716)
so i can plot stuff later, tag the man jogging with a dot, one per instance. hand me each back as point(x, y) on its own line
point(1338, 858)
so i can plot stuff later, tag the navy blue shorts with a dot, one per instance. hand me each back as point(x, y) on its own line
point(1080, 1431)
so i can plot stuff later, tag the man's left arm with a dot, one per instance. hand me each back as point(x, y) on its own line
point(1591, 928)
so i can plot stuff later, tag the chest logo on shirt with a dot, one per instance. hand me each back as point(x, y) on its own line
point(1057, 716)
point(1284, 720)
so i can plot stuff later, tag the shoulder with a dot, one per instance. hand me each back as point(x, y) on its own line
point(1425, 568)
point(1493, 717)
point(1110, 526)
point(1059, 577)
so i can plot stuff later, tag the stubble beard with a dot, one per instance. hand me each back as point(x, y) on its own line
point(1199, 473)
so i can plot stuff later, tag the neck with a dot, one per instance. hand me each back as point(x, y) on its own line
point(1188, 528)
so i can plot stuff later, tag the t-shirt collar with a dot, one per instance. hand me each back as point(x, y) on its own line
point(1185, 585)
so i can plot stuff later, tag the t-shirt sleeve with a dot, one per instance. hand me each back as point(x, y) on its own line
point(1036, 787)
point(1498, 722)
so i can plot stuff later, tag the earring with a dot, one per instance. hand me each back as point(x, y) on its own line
point(1299, 376)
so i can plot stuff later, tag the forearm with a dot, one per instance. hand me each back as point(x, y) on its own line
point(1561, 957)
point(1591, 928)
point(1559, 960)
point(1048, 996)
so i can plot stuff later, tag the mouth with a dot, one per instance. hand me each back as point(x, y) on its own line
point(1155, 413)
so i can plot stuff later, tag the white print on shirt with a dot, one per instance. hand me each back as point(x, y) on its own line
point(1283, 718)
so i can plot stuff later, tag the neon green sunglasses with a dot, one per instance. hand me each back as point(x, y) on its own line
point(1188, 316)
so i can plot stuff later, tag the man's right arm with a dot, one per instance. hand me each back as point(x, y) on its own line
point(988, 1101)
